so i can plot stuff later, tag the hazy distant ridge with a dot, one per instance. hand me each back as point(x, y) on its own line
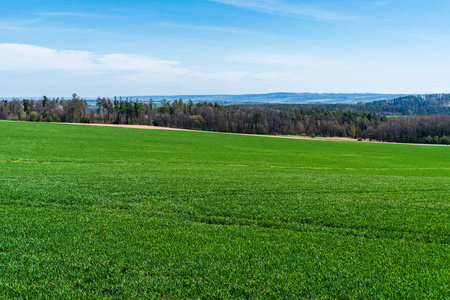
point(286, 98)
point(328, 98)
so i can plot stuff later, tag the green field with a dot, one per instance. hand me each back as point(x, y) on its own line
point(96, 212)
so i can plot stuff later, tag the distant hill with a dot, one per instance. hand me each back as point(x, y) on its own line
point(271, 98)
point(287, 98)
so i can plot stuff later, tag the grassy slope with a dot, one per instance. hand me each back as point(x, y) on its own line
point(114, 212)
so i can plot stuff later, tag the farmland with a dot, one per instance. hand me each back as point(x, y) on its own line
point(95, 212)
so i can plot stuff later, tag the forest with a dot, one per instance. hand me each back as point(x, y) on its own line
point(419, 119)
point(406, 106)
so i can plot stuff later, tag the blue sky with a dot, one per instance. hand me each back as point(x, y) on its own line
point(117, 47)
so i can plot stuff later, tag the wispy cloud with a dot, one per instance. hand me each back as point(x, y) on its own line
point(430, 36)
point(14, 27)
point(285, 61)
point(205, 28)
point(74, 14)
point(278, 7)
point(18, 24)
point(35, 70)
point(113, 72)
point(382, 3)
point(342, 74)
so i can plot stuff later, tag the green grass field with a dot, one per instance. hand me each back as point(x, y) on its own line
point(96, 212)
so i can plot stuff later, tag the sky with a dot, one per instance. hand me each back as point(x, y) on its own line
point(178, 47)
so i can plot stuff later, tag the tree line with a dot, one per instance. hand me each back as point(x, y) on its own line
point(406, 105)
point(316, 121)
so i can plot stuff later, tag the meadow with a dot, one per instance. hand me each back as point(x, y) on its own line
point(96, 212)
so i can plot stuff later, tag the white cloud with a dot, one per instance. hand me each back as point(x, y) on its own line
point(33, 70)
point(278, 7)
point(28, 70)
point(26, 58)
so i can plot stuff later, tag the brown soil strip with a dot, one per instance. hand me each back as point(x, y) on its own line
point(259, 135)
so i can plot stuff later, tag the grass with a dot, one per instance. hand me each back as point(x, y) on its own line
point(93, 212)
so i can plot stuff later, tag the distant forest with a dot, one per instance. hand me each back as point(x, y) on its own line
point(417, 119)
point(406, 106)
